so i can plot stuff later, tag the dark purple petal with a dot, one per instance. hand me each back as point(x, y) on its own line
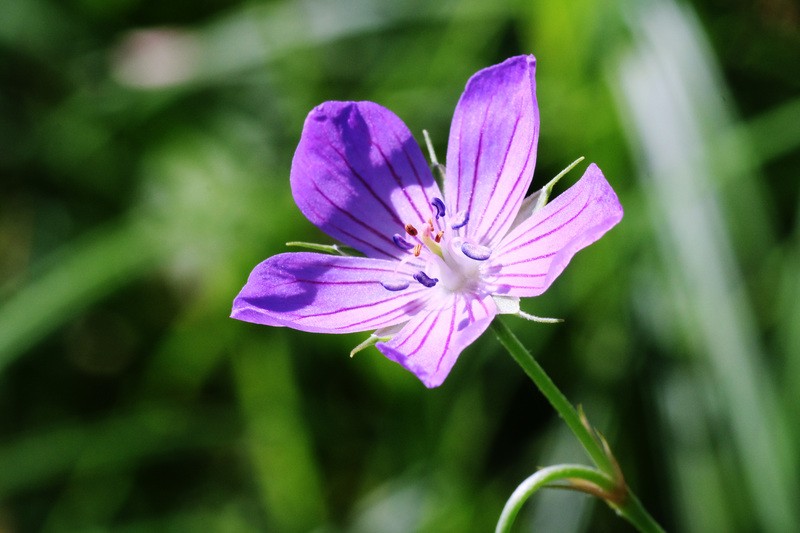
point(534, 253)
point(492, 148)
point(431, 342)
point(327, 293)
point(359, 176)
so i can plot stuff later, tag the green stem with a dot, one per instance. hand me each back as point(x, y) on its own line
point(542, 478)
point(626, 503)
point(559, 402)
point(634, 512)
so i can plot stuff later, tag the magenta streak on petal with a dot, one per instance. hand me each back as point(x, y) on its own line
point(413, 167)
point(500, 173)
point(469, 309)
point(483, 305)
point(323, 282)
point(543, 235)
point(529, 260)
point(450, 330)
point(352, 308)
point(509, 212)
point(522, 275)
point(410, 335)
point(523, 287)
point(477, 156)
point(399, 182)
point(367, 186)
point(357, 221)
point(398, 311)
point(416, 174)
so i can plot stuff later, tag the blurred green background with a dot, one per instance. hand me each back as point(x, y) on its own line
point(145, 150)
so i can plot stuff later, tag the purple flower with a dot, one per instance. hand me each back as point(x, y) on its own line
point(438, 266)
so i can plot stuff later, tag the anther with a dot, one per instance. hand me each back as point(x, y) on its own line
point(411, 230)
point(476, 251)
point(417, 250)
point(424, 279)
point(438, 237)
point(401, 243)
point(395, 285)
point(439, 205)
point(430, 225)
point(459, 220)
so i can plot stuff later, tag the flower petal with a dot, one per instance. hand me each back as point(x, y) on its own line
point(360, 176)
point(492, 147)
point(326, 293)
point(534, 253)
point(431, 342)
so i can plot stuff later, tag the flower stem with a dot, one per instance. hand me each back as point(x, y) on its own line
point(619, 496)
point(542, 478)
point(559, 402)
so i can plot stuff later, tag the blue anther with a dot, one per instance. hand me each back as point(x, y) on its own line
point(401, 242)
point(439, 205)
point(426, 280)
point(476, 251)
point(395, 285)
point(459, 220)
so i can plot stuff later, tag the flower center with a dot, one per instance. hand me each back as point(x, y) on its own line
point(451, 262)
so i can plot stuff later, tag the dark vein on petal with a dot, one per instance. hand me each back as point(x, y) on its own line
point(505, 275)
point(470, 314)
point(521, 261)
point(353, 218)
point(413, 166)
point(500, 175)
point(340, 310)
point(554, 230)
point(524, 287)
point(399, 181)
point(525, 233)
point(400, 312)
point(366, 185)
point(449, 337)
point(412, 333)
point(478, 157)
point(424, 338)
point(510, 213)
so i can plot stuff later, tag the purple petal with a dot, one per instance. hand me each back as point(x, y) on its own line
point(534, 253)
point(431, 342)
point(327, 293)
point(492, 148)
point(359, 176)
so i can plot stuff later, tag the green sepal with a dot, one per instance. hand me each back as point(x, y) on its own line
point(543, 194)
point(372, 340)
point(334, 249)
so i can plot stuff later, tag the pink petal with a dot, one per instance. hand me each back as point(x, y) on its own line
point(431, 342)
point(492, 147)
point(534, 253)
point(360, 176)
point(327, 294)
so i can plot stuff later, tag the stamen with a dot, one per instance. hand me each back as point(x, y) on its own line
point(430, 225)
point(459, 220)
point(424, 279)
point(417, 250)
point(476, 251)
point(439, 205)
point(438, 237)
point(401, 242)
point(395, 284)
point(411, 230)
